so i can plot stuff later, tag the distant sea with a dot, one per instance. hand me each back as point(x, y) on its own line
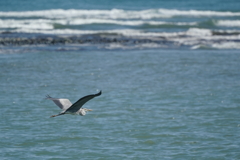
point(168, 71)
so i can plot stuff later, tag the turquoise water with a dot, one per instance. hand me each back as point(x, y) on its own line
point(168, 70)
point(221, 5)
point(156, 104)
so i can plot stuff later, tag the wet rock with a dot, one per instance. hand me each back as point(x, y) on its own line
point(56, 40)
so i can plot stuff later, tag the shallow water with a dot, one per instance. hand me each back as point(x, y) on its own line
point(156, 104)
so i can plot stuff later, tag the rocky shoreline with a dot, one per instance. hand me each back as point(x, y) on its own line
point(85, 39)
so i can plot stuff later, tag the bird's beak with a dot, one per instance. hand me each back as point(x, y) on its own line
point(89, 109)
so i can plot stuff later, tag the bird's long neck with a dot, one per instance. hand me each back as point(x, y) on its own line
point(57, 115)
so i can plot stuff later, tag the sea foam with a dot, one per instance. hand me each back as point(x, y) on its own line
point(229, 23)
point(117, 13)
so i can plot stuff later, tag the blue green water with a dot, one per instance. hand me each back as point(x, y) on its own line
point(166, 104)
point(221, 5)
point(177, 96)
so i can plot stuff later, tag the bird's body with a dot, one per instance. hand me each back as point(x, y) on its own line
point(81, 111)
point(76, 108)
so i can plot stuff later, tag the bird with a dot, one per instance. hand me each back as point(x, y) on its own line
point(75, 108)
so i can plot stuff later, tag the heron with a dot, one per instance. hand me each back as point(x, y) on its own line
point(75, 108)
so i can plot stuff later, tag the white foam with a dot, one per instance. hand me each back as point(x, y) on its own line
point(125, 32)
point(56, 31)
point(220, 45)
point(104, 14)
point(197, 13)
point(125, 22)
point(229, 23)
point(138, 46)
point(116, 13)
point(199, 32)
point(226, 45)
point(25, 24)
point(46, 24)
point(191, 35)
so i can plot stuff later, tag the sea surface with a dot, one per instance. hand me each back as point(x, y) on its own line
point(169, 73)
point(127, 25)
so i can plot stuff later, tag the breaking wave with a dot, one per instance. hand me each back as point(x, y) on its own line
point(159, 27)
point(117, 13)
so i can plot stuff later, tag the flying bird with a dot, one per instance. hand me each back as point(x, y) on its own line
point(75, 108)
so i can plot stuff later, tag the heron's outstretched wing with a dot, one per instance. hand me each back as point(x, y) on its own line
point(77, 105)
point(61, 103)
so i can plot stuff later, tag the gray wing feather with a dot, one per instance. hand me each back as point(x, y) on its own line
point(60, 102)
point(77, 105)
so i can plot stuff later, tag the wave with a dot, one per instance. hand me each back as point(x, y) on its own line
point(27, 24)
point(118, 13)
point(221, 45)
point(191, 32)
point(228, 23)
point(159, 27)
point(50, 24)
point(193, 38)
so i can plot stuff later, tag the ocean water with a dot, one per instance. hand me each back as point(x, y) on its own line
point(168, 104)
point(130, 25)
point(168, 71)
